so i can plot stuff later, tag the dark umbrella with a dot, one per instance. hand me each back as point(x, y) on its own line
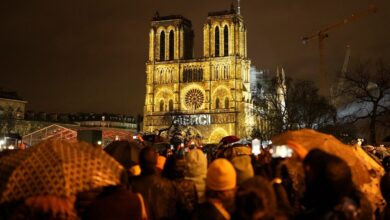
point(125, 152)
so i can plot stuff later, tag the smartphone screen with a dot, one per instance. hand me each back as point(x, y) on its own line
point(281, 151)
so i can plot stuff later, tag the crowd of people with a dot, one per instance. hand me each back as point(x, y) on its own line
point(229, 183)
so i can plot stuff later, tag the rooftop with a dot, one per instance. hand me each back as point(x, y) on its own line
point(157, 17)
point(10, 95)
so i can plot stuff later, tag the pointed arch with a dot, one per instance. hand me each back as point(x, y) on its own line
point(216, 41)
point(162, 45)
point(225, 41)
point(170, 105)
point(217, 134)
point(171, 45)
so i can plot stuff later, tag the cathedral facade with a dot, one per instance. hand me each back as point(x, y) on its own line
point(209, 95)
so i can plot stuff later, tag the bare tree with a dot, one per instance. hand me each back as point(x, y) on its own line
point(293, 105)
point(366, 89)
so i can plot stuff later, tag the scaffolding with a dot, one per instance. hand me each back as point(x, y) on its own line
point(50, 132)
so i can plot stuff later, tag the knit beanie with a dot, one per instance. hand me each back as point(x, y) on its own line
point(221, 175)
point(243, 167)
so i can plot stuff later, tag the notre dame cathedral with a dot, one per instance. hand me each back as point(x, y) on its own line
point(209, 95)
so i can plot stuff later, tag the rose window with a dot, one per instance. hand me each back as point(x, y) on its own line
point(194, 99)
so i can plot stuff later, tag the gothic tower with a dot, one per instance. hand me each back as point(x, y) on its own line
point(209, 95)
point(170, 38)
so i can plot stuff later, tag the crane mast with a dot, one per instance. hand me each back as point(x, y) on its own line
point(323, 33)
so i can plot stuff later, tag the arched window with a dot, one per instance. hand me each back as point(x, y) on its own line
point(217, 103)
point(226, 103)
point(217, 41)
point(225, 41)
point(161, 105)
point(171, 45)
point(162, 45)
point(170, 105)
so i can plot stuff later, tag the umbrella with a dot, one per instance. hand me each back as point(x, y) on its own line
point(229, 139)
point(58, 168)
point(125, 152)
point(366, 172)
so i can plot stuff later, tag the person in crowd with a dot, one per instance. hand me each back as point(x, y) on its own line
point(116, 202)
point(173, 197)
point(118, 199)
point(255, 199)
point(330, 192)
point(220, 192)
point(243, 166)
point(196, 171)
point(385, 189)
point(149, 176)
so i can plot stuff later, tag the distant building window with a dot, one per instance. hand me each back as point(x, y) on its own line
point(226, 41)
point(162, 45)
point(217, 41)
point(171, 45)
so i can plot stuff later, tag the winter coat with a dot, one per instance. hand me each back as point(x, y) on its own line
point(144, 185)
point(187, 198)
point(196, 170)
point(173, 199)
point(347, 208)
point(208, 211)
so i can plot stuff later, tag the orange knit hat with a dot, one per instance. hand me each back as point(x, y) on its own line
point(221, 175)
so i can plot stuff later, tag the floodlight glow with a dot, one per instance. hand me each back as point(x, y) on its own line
point(256, 146)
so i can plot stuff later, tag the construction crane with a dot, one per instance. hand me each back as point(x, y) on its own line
point(323, 33)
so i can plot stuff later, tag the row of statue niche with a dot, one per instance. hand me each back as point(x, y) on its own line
point(164, 75)
point(221, 72)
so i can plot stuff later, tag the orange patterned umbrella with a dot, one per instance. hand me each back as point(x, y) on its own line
point(366, 172)
point(57, 168)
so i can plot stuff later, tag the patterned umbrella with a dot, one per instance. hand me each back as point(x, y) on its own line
point(366, 172)
point(57, 168)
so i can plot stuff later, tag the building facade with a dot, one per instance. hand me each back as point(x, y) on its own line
point(209, 95)
point(11, 105)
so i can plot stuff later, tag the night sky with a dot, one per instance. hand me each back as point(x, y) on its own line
point(89, 55)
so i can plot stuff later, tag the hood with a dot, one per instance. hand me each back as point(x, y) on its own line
point(196, 163)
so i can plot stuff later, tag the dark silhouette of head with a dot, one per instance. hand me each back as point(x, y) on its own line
point(328, 178)
point(148, 161)
point(174, 168)
point(255, 199)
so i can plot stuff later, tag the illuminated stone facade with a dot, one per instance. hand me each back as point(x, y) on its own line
point(211, 94)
